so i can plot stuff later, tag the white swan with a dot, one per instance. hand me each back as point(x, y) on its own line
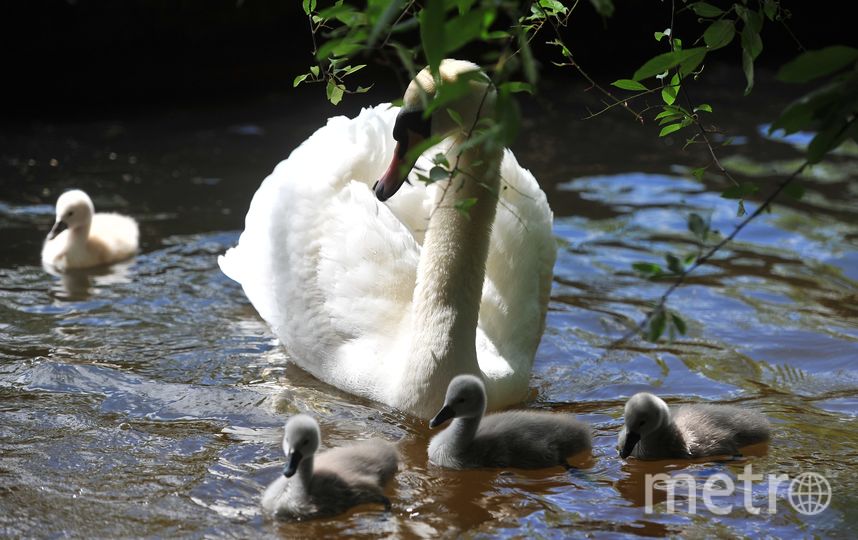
point(80, 238)
point(391, 301)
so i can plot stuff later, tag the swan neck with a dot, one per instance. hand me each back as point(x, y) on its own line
point(450, 277)
point(463, 431)
point(304, 475)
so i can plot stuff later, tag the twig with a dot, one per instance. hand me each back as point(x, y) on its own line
point(681, 278)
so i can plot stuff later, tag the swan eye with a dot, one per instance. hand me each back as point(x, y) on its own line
point(460, 400)
point(306, 442)
point(642, 422)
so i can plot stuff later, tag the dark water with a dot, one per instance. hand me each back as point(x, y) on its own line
point(148, 400)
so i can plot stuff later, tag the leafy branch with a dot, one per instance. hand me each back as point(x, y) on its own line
point(383, 29)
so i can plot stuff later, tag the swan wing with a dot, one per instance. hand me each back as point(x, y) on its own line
point(327, 266)
point(517, 288)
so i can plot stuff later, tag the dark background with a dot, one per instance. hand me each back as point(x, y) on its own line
point(84, 57)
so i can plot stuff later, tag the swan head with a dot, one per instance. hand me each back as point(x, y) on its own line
point(644, 414)
point(300, 440)
point(474, 98)
point(74, 209)
point(466, 398)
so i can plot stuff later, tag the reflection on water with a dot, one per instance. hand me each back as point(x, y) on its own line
point(148, 399)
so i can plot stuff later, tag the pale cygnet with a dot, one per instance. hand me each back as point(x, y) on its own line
point(654, 431)
point(331, 482)
point(522, 439)
point(82, 239)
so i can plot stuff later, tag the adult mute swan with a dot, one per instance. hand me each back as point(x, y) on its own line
point(80, 238)
point(391, 301)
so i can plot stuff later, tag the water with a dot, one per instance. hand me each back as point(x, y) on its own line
point(148, 400)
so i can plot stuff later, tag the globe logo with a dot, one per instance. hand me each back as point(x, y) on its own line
point(809, 493)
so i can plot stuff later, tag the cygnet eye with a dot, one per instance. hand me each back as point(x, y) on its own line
point(642, 422)
point(460, 400)
point(305, 442)
point(70, 213)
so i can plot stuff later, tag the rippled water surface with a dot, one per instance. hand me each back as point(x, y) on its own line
point(149, 399)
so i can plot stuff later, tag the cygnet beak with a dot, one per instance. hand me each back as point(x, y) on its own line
point(443, 415)
point(292, 461)
point(58, 227)
point(632, 439)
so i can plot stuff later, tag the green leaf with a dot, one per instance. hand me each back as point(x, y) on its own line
point(508, 117)
point(673, 263)
point(703, 107)
point(698, 173)
point(741, 191)
point(698, 226)
point(659, 35)
point(719, 34)
point(801, 113)
point(752, 46)
point(351, 69)
point(656, 326)
point(814, 64)
point(299, 79)
point(314, 70)
point(464, 5)
point(517, 86)
point(751, 42)
point(464, 206)
point(457, 118)
point(669, 91)
point(752, 19)
point(432, 33)
point(464, 29)
point(437, 174)
point(449, 92)
point(667, 130)
point(391, 10)
point(340, 11)
point(826, 140)
point(663, 62)
point(748, 69)
point(704, 9)
point(678, 323)
point(527, 61)
point(794, 190)
point(628, 84)
point(334, 92)
point(770, 7)
point(647, 269)
point(309, 6)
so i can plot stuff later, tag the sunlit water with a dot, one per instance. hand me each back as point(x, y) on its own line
point(149, 399)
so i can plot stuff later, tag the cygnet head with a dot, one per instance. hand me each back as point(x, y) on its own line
point(644, 413)
point(412, 127)
point(300, 440)
point(74, 209)
point(466, 398)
